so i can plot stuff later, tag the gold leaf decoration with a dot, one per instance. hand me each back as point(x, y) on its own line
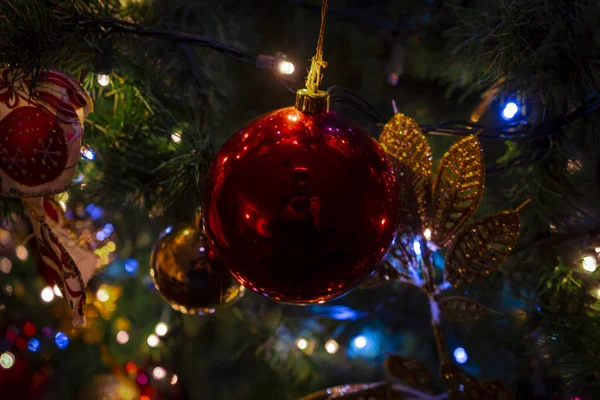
point(409, 371)
point(498, 391)
point(414, 192)
point(461, 385)
point(402, 138)
point(481, 247)
point(457, 189)
point(461, 309)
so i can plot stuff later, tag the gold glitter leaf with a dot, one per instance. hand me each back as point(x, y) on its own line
point(461, 309)
point(461, 385)
point(457, 189)
point(409, 371)
point(414, 192)
point(402, 138)
point(498, 391)
point(481, 247)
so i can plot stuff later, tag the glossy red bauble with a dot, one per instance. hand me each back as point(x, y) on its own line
point(301, 207)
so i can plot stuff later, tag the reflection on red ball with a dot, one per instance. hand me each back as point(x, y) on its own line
point(301, 207)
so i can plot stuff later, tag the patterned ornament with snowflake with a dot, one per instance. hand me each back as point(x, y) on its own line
point(40, 132)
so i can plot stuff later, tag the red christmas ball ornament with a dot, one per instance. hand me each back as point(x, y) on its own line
point(301, 203)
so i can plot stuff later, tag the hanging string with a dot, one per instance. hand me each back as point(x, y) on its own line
point(315, 76)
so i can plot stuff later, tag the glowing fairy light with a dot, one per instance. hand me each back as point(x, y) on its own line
point(61, 340)
point(161, 329)
point(360, 342)
point(102, 295)
point(7, 360)
point(589, 263)
point(460, 355)
point(332, 346)
point(47, 294)
point(57, 291)
point(174, 379)
point(286, 67)
point(22, 252)
point(159, 373)
point(153, 340)
point(301, 343)
point(510, 110)
point(103, 80)
point(176, 137)
point(122, 337)
point(417, 247)
point(427, 234)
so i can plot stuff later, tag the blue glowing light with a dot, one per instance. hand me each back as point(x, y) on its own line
point(61, 340)
point(94, 211)
point(168, 230)
point(108, 229)
point(460, 355)
point(360, 342)
point(88, 153)
point(131, 265)
point(510, 110)
point(417, 247)
point(33, 345)
point(100, 235)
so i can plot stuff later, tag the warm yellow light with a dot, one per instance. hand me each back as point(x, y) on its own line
point(47, 294)
point(153, 340)
point(57, 291)
point(589, 263)
point(5, 265)
point(122, 337)
point(22, 252)
point(174, 379)
point(159, 373)
point(427, 234)
point(176, 137)
point(332, 346)
point(302, 343)
point(286, 67)
point(161, 329)
point(103, 80)
point(102, 295)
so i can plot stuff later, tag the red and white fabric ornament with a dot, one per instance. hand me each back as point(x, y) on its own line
point(40, 141)
point(40, 132)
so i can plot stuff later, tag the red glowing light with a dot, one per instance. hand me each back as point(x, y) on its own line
point(29, 329)
point(130, 367)
point(144, 397)
point(142, 379)
point(11, 334)
point(383, 221)
point(247, 216)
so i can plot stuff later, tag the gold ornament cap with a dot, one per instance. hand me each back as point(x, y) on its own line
point(312, 103)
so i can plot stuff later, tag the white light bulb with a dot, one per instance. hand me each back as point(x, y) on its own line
point(47, 294)
point(161, 329)
point(122, 337)
point(360, 342)
point(417, 247)
point(286, 67)
point(302, 343)
point(174, 379)
point(159, 373)
point(102, 295)
point(460, 355)
point(427, 234)
point(176, 137)
point(332, 346)
point(5, 265)
point(589, 263)
point(153, 340)
point(510, 110)
point(7, 360)
point(103, 80)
